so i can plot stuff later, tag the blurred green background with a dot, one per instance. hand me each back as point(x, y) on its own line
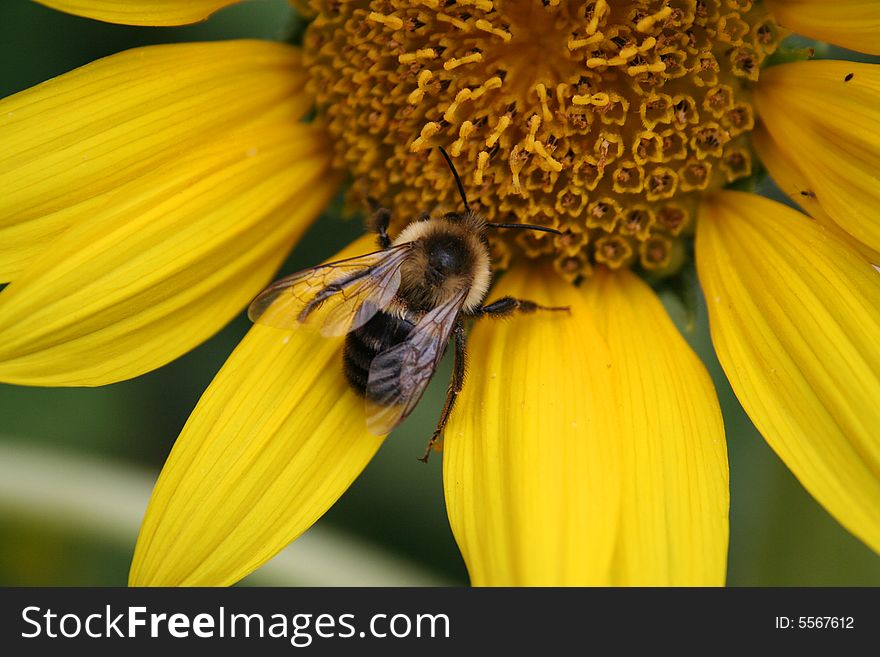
point(76, 465)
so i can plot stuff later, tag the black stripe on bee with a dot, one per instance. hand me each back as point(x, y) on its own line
point(362, 345)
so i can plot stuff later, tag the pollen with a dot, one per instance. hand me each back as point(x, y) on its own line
point(604, 119)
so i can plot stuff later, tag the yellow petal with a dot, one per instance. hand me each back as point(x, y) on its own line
point(166, 261)
point(529, 463)
point(853, 24)
point(277, 437)
point(826, 127)
point(141, 12)
point(794, 321)
point(674, 474)
point(791, 180)
point(67, 142)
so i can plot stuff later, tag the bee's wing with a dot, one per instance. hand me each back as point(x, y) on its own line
point(399, 375)
point(338, 296)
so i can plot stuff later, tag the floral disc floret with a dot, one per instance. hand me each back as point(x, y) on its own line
point(605, 119)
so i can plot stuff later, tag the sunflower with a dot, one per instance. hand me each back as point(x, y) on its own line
point(150, 195)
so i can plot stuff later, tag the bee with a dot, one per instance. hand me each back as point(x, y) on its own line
point(399, 306)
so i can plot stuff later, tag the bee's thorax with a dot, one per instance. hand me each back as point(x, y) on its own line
point(449, 256)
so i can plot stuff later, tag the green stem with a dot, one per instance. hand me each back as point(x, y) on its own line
point(109, 499)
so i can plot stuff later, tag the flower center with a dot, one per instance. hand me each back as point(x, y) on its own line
point(605, 119)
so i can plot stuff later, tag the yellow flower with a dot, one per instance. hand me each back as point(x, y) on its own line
point(149, 195)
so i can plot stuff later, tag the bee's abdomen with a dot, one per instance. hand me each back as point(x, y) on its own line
point(363, 345)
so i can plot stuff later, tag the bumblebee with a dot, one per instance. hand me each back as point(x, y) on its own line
point(399, 306)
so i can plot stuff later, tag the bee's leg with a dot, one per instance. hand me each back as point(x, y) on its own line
point(506, 306)
point(455, 386)
point(379, 222)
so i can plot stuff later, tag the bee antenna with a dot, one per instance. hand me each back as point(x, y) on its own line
point(542, 229)
point(456, 176)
